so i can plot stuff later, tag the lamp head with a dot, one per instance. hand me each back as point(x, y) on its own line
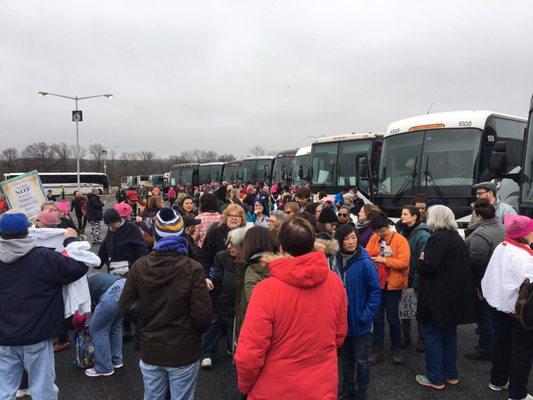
point(43, 93)
point(109, 96)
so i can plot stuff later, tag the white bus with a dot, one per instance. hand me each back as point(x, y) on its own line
point(68, 180)
point(283, 167)
point(301, 174)
point(257, 169)
point(442, 155)
point(346, 160)
point(210, 172)
point(143, 180)
point(526, 195)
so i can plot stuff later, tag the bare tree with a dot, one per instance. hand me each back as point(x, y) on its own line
point(62, 153)
point(226, 157)
point(83, 152)
point(258, 150)
point(9, 159)
point(40, 155)
point(95, 150)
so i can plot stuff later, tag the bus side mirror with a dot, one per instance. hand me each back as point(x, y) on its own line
point(301, 172)
point(362, 167)
point(498, 157)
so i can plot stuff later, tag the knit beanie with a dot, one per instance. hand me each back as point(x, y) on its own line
point(48, 218)
point(124, 209)
point(14, 221)
point(342, 231)
point(111, 216)
point(168, 222)
point(328, 215)
point(517, 226)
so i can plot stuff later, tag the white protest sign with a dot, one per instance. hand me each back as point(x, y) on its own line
point(25, 193)
point(407, 309)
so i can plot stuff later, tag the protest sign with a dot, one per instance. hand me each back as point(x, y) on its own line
point(407, 309)
point(24, 193)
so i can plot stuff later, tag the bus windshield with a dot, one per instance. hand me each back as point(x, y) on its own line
point(323, 164)
point(349, 152)
point(283, 169)
point(527, 183)
point(262, 169)
point(247, 170)
point(443, 157)
point(204, 174)
point(301, 163)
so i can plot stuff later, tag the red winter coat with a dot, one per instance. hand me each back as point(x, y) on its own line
point(296, 320)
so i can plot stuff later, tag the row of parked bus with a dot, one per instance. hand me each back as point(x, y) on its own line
point(439, 155)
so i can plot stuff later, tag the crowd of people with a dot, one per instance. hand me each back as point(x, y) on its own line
point(295, 284)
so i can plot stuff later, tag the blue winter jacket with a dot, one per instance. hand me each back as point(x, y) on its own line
point(360, 279)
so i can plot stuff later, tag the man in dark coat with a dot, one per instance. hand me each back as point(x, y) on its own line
point(95, 215)
point(31, 306)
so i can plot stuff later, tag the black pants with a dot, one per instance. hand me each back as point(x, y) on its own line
point(512, 355)
point(81, 226)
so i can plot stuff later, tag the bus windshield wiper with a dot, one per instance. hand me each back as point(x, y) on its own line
point(405, 184)
point(428, 177)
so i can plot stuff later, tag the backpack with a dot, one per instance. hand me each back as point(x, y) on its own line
point(524, 305)
point(83, 346)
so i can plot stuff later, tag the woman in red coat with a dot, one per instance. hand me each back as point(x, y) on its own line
point(296, 320)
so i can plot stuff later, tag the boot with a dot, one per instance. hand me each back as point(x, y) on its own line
point(376, 356)
point(397, 358)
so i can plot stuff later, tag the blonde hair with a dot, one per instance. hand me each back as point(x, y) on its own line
point(441, 217)
point(233, 208)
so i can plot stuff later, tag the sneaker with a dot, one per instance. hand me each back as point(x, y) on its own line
point(93, 373)
point(376, 356)
point(22, 393)
point(478, 355)
point(420, 347)
point(207, 363)
point(117, 366)
point(62, 346)
point(497, 388)
point(406, 341)
point(397, 358)
point(424, 381)
point(452, 381)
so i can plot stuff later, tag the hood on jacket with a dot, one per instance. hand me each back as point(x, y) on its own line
point(13, 249)
point(422, 227)
point(307, 271)
point(160, 267)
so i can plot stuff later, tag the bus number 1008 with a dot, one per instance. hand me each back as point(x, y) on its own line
point(465, 124)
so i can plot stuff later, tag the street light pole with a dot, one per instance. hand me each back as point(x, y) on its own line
point(76, 99)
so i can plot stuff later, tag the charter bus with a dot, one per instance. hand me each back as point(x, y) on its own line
point(128, 182)
point(143, 180)
point(284, 166)
point(346, 160)
point(210, 172)
point(257, 169)
point(157, 180)
point(184, 174)
point(232, 172)
point(301, 174)
point(442, 155)
point(68, 180)
point(526, 189)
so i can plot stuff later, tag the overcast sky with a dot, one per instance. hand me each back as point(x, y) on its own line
point(228, 75)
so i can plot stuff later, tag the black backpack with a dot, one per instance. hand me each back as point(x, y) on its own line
point(524, 305)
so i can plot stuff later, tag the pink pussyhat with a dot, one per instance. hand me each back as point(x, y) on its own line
point(63, 206)
point(517, 226)
point(48, 218)
point(124, 209)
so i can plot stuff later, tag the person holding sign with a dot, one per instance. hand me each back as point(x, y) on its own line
point(390, 252)
point(446, 297)
point(360, 278)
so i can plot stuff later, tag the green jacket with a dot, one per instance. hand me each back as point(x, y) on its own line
point(417, 243)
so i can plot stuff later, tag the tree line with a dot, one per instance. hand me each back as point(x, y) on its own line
point(61, 157)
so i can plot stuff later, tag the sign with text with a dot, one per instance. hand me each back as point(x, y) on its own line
point(25, 193)
point(407, 309)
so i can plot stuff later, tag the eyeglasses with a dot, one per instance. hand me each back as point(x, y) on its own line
point(342, 215)
point(234, 216)
point(288, 212)
point(481, 193)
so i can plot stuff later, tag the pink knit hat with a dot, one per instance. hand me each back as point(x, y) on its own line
point(63, 206)
point(518, 226)
point(48, 218)
point(124, 209)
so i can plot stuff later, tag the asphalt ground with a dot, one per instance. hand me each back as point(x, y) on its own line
point(387, 380)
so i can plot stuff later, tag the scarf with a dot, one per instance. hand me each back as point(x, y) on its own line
point(177, 244)
point(362, 224)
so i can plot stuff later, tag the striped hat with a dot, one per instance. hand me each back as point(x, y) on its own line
point(168, 222)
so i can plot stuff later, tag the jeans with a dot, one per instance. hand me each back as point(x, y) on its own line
point(487, 329)
point(441, 353)
point(512, 355)
point(390, 302)
point(212, 336)
point(106, 329)
point(158, 380)
point(354, 358)
point(38, 360)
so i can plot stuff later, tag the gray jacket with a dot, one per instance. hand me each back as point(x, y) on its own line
point(481, 243)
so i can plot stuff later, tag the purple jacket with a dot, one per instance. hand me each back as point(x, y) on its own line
point(364, 235)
